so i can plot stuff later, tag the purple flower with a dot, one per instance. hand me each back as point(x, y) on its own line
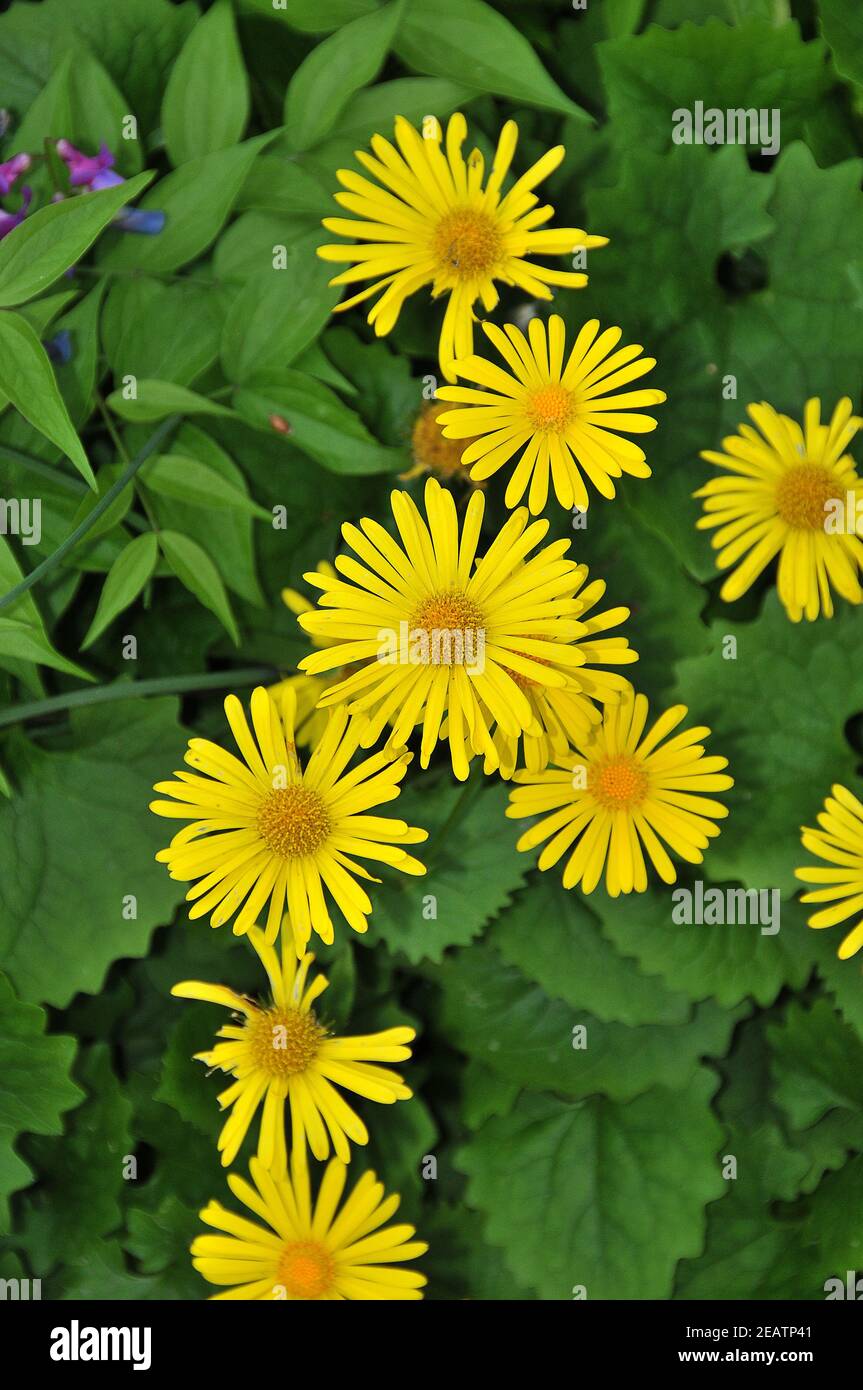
point(10, 171)
point(92, 173)
point(10, 220)
point(89, 172)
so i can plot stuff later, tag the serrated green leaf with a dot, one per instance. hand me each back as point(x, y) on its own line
point(842, 27)
point(785, 754)
point(472, 869)
point(729, 961)
point(751, 65)
point(37, 1087)
point(64, 1217)
point(79, 831)
point(595, 1195)
point(492, 1012)
point(552, 937)
point(817, 1062)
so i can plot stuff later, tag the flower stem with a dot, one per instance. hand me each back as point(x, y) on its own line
point(52, 560)
point(133, 690)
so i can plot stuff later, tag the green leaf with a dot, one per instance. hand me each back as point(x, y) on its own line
point(189, 480)
point(77, 378)
point(23, 637)
point(226, 535)
point(81, 103)
point(318, 422)
point(278, 184)
point(815, 269)
point(197, 200)
point(275, 316)
point(472, 869)
point(125, 580)
point(458, 38)
point(752, 65)
point(370, 111)
point(731, 961)
point(136, 41)
point(334, 70)
point(194, 568)
point(553, 938)
point(769, 1258)
point(785, 754)
point(24, 641)
point(37, 252)
point(492, 1012)
point(27, 378)
point(79, 832)
point(169, 332)
point(185, 1084)
point(65, 1217)
point(595, 1194)
point(155, 400)
point(842, 27)
point(317, 16)
point(206, 102)
point(817, 1063)
point(37, 1087)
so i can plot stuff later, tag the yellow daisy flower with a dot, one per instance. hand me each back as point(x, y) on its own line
point(425, 218)
point(558, 417)
point(792, 492)
point(281, 1053)
point(303, 1250)
point(563, 713)
point(620, 793)
point(432, 632)
point(432, 452)
point(265, 831)
point(840, 842)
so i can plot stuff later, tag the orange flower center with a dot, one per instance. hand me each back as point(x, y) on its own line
point(452, 622)
point(306, 1269)
point(550, 409)
point(801, 495)
point(431, 449)
point(619, 783)
point(293, 821)
point(467, 243)
point(284, 1042)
